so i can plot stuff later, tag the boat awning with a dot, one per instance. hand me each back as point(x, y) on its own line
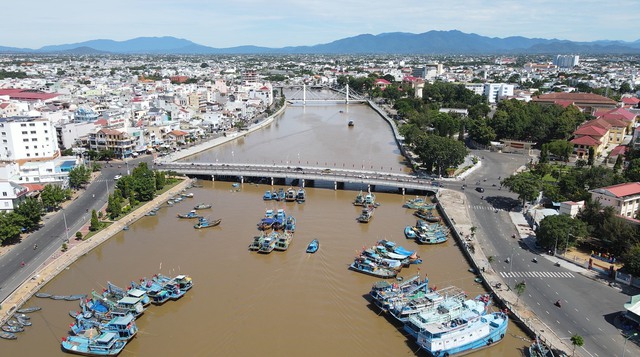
point(128, 300)
point(123, 320)
point(106, 337)
point(136, 293)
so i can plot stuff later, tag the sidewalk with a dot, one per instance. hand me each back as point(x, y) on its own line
point(452, 203)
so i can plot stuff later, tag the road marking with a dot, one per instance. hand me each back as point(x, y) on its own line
point(587, 319)
point(569, 332)
point(547, 312)
point(600, 329)
point(576, 310)
point(536, 274)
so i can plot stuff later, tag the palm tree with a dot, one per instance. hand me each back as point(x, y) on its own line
point(576, 341)
point(520, 288)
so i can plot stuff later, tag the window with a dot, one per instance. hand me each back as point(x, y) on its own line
point(24, 133)
point(25, 140)
point(34, 139)
point(36, 154)
point(33, 131)
point(23, 125)
point(4, 193)
point(28, 155)
point(46, 131)
point(26, 147)
point(32, 124)
point(4, 133)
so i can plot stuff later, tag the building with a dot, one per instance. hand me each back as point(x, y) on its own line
point(566, 61)
point(83, 115)
point(27, 139)
point(119, 142)
point(624, 198)
point(571, 208)
point(69, 134)
point(494, 92)
point(11, 195)
point(587, 102)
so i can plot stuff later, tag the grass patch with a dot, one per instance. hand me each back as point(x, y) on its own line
point(549, 178)
point(91, 234)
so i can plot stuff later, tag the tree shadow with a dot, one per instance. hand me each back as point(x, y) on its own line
point(503, 203)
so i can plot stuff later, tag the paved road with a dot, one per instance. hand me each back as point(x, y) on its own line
point(588, 306)
point(50, 237)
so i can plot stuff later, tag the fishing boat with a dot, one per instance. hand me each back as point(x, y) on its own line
point(290, 196)
point(410, 233)
point(367, 266)
point(435, 237)
point(449, 307)
point(202, 206)
point(268, 244)
point(169, 285)
point(366, 215)
point(280, 195)
point(359, 200)
point(427, 215)
point(190, 215)
point(470, 331)
point(187, 195)
point(8, 335)
point(257, 242)
point(28, 310)
point(205, 223)
point(313, 246)
point(290, 224)
point(268, 196)
point(369, 199)
point(151, 213)
point(154, 290)
point(106, 344)
point(417, 203)
point(301, 196)
point(539, 349)
point(185, 283)
point(124, 326)
point(283, 241)
point(380, 260)
point(350, 124)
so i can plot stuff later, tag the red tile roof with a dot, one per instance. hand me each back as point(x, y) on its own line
point(575, 97)
point(630, 100)
point(623, 189)
point(177, 133)
point(618, 150)
point(31, 187)
point(591, 130)
point(586, 141)
point(24, 94)
point(382, 81)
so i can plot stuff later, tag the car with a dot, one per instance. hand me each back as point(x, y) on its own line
point(298, 168)
point(480, 189)
point(326, 171)
point(117, 177)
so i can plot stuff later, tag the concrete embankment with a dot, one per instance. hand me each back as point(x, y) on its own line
point(455, 212)
point(60, 261)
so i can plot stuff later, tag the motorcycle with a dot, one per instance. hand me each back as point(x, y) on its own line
point(557, 264)
point(558, 304)
point(534, 260)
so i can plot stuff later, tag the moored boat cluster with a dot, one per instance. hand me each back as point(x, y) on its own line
point(17, 323)
point(443, 322)
point(276, 232)
point(384, 259)
point(107, 321)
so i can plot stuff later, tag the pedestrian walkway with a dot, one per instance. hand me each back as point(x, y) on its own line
point(536, 274)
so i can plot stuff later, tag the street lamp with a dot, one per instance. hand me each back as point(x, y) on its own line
point(624, 348)
point(66, 229)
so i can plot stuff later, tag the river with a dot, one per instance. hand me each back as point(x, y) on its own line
point(281, 304)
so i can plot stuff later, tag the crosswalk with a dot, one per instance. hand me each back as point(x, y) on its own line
point(536, 274)
point(481, 207)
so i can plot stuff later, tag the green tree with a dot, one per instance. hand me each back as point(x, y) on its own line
point(79, 176)
point(31, 210)
point(561, 148)
point(631, 260)
point(525, 184)
point(592, 156)
point(161, 179)
point(53, 195)
point(560, 232)
point(576, 341)
point(519, 289)
point(144, 183)
point(440, 153)
point(10, 227)
point(618, 165)
point(544, 154)
point(95, 223)
point(114, 205)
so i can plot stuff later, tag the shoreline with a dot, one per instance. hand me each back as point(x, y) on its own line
point(57, 264)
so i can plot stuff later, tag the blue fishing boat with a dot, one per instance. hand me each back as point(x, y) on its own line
point(190, 215)
point(471, 331)
point(170, 286)
point(409, 232)
point(280, 195)
point(257, 242)
point(359, 200)
point(154, 290)
point(185, 283)
point(427, 215)
point(369, 200)
point(290, 224)
point(119, 293)
point(268, 196)
point(539, 349)
point(268, 244)
point(366, 215)
point(301, 196)
point(313, 246)
point(205, 223)
point(106, 344)
point(124, 326)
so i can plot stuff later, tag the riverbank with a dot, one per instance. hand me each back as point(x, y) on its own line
point(455, 212)
point(59, 261)
point(184, 153)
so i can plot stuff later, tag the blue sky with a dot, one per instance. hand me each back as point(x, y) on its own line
point(280, 23)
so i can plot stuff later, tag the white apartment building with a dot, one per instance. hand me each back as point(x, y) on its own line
point(566, 61)
point(25, 138)
point(496, 91)
point(11, 195)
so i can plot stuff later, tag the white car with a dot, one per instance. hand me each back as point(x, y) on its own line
point(117, 177)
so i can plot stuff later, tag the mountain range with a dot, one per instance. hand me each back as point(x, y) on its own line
point(428, 43)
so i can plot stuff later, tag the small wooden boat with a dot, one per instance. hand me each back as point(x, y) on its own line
point(350, 124)
point(190, 215)
point(313, 246)
point(12, 329)
point(27, 310)
point(8, 335)
point(202, 206)
point(75, 297)
point(43, 295)
point(187, 195)
point(205, 223)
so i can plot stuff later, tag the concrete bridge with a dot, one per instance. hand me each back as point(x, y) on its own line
point(341, 94)
point(305, 174)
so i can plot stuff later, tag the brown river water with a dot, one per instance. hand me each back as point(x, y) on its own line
point(282, 304)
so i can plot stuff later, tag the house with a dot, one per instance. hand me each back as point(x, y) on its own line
point(11, 195)
point(624, 198)
point(176, 137)
point(592, 134)
point(381, 83)
point(571, 208)
point(119, 142)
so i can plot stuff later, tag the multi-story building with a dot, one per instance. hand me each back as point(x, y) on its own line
point(624, 198)
point(121, 143)
point(27, 139)
point(494, 92)
point(566, 61)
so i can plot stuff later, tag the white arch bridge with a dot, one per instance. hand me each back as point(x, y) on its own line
point(305, 174)
point(304, 94)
